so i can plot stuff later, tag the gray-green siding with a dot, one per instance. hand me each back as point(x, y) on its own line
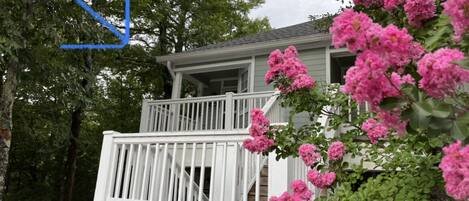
point(315, 59)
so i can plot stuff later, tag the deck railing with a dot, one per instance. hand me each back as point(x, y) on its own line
point(224, 112)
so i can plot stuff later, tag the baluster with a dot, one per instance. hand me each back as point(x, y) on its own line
point(216, 114)
point(229, 111)
point(137, 169)
point(197, 116)
point(258, 177)
point(145, 170)
point(213, 168)
point(173, 172)
point(202, 172)
point(235, 175)
point(153, 172)
point(127, 172)
point(245, 175)
point(212, 115)
point(191, 180)
point(163, 173)
point(112, 177)
point(207, 113)
point(223, 168)
point(202, 117)
point(181, 173)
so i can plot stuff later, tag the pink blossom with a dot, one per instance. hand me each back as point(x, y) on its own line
point(258, 144)
point(458, 11)
point(368, 3)
point(302, 81)
point(349, 28)
point(392, 4)
point(336, 151)
point(367, 80)
point(258, 130)
point(440, 76)
point(257, 117)
point(419, 10)
point(308, 154)
point(392, 119)
point(321, 180)
point(375, 130)
point(398, 47)
point(455, 167)
point(300, 193)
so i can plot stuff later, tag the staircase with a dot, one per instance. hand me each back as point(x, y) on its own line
point(263, 193)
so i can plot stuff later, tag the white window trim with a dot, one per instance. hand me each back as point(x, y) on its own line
point(329, 52)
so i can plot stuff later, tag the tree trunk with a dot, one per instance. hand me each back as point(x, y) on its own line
point(7, 99)
point(75, 128)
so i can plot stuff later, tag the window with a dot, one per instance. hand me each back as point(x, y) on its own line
point(340, 63)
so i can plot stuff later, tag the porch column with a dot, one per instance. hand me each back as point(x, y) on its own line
point(177, 84)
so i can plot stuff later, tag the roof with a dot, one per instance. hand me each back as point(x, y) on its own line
point(302, 29)
point(305, 32)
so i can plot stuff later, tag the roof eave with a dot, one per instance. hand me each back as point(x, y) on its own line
point(247, 48)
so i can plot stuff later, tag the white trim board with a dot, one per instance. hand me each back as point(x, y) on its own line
point(219, 66)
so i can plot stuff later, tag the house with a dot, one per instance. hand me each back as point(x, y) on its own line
point(191, 148)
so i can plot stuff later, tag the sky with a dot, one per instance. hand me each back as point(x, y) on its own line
point(282, 13)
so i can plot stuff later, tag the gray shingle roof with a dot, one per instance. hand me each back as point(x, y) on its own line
point(297, 30)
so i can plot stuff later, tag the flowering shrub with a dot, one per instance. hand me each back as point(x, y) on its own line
point(259, 142)
point(300, 193)
point(410, 68)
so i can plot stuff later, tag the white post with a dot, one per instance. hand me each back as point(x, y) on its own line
point(229, 111)
point(104, 167)
point(144, 117)
point(200, 89)
point(177, 83)
point(278, 183)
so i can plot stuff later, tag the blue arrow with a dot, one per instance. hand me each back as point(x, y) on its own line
point(123, 37)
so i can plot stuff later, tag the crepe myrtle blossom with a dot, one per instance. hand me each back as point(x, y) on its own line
point(392, 119)
point(440, 75)
point(321, 180)
point(418, 11)
point(368, 3)
point(455, 168)
point(301, 192)
point(398, 46)
point(375, 130)
point(392, 4)
point(259, 142)
point(290, 70)
point(458, 12)
point(349, 29)
point(367, 81)
point(336, 151)
point(309, 154)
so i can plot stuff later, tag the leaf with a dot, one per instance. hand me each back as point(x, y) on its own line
point(460, 130)
point(440, 123)
point(420, 116)
point(391, 103)
point(422, 108)
point(464, 63)
point(442, 110)
point(411, 91)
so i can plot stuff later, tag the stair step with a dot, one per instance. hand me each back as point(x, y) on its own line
point(263, 193)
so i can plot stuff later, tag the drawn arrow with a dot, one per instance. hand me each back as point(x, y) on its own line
point(124, 38)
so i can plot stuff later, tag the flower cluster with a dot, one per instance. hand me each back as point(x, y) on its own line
point(336, 151)
point(300, 190)
point(455, 167)
point(321, 180)
point(309, 154)
point(288, 68)
point(368, 3)
point(350, 28)
point(392, 4)
point(259, 127)
point(375, 130)
point(440, 76)
point(418, 11)
point(458, 11)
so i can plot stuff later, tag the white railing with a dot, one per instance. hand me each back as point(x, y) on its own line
point(224, 112)
point(170, 167)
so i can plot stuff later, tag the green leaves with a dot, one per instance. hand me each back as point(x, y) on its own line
point(420, 116)
point(464, 63)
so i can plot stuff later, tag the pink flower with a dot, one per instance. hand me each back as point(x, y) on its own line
point(257, 117)
point(440, 76)
point(321, 180)
point(336, 151)
point(300, 193)
point(419, 10)
point(392, 119)
point(302, 81)
point(374, 130)
point(367, 81)
point(392, 4)
point(368, 3)
point(258, 144)
point(455, 167)
point(258, 130)
point(458, 11)
point(398, 47)
point(308, 154)
point(349, 28)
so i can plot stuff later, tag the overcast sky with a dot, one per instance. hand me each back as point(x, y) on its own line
point(283, 13)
